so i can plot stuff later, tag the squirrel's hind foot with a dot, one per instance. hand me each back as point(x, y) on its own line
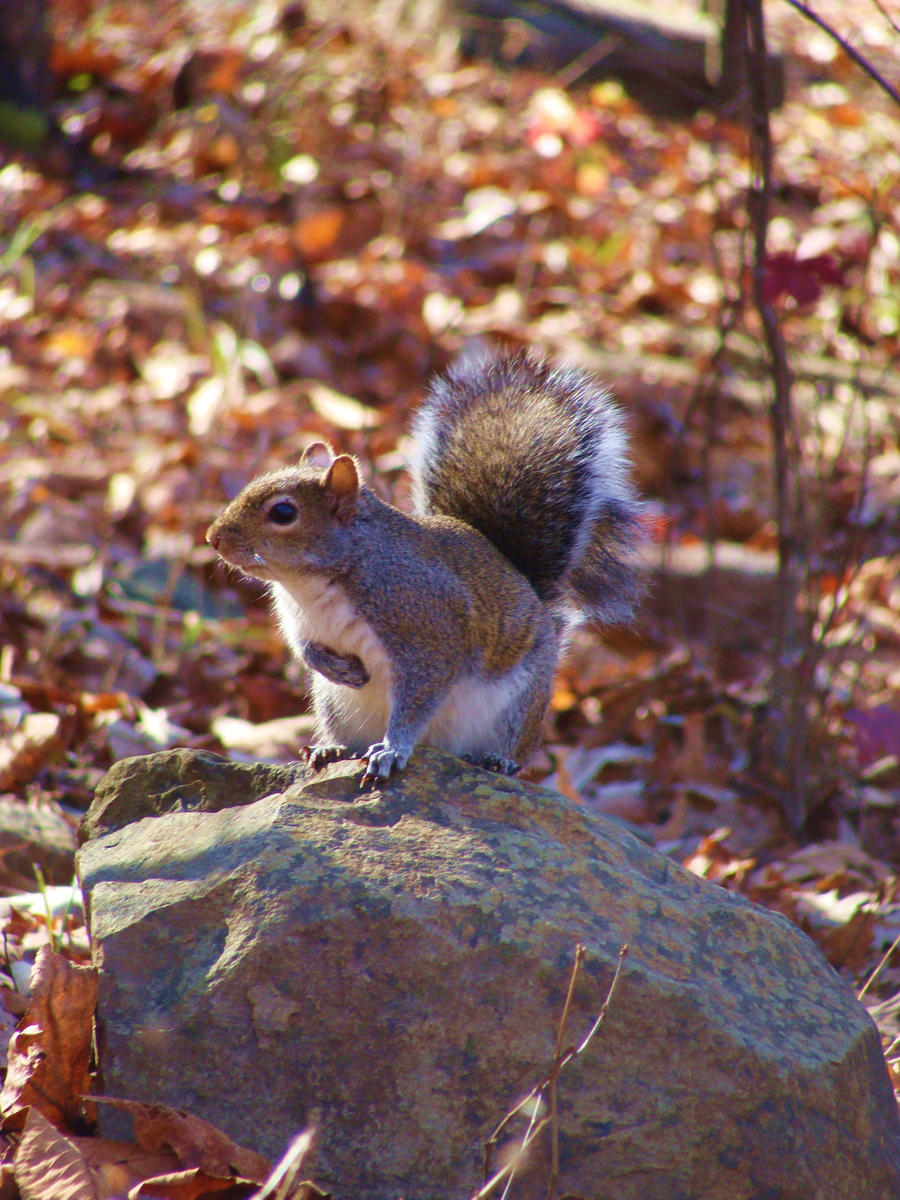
point(492, 762)
point(320, 756)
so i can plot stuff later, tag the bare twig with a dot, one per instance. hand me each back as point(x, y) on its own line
point(623, 951)
point(887, 16)
point(587, 60)
point(535, 1096)
point(557, 1060)
point(850, 50)
point(788, 726)
point(884, 959)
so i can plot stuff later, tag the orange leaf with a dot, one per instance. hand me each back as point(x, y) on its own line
point(314, 235)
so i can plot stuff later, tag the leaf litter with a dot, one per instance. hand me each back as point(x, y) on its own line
point(307, 220)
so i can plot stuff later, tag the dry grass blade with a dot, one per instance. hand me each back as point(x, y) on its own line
point(881, 965)
point(280, 1184)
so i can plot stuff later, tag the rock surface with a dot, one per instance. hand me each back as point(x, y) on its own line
point(279, 949)
point(35, 834)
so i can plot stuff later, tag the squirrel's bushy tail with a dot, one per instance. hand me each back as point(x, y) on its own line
point(535, 458)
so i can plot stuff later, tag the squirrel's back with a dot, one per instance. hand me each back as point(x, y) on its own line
point(535, 458)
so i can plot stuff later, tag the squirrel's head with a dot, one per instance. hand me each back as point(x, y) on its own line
point(284, 523)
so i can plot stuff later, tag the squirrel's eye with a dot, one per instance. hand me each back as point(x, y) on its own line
point(282, 513)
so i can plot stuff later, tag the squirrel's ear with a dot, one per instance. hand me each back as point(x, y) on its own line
point(317, 454)
point(342, 484)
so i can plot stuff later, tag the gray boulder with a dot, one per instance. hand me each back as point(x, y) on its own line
point(278, 949)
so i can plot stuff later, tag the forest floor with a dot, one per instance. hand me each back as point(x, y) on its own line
point(275, 231)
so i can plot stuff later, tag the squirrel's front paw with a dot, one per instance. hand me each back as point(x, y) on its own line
point(320, 756)
point(381, 762)
point(345, 669)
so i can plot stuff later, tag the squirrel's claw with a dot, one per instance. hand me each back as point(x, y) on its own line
point(381, 762)
point(493, 762)
point(320, 756)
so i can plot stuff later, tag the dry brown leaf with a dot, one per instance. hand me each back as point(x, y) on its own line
point(49, 1167)
point(196, 1143)
point(11, 1001)
point(561, 780)
point(306, 1190)
point(848, 945)
point(9, 1189)
point(50, 1052)
point(28, 748)
point(833, 858)
point(120, 1166)
point(190, 1185)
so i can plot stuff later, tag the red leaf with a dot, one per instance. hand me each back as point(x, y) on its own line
point(800, 278)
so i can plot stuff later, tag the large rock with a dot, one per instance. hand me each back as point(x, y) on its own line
point(391, 966)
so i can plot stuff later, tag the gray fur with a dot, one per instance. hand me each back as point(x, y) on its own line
point(535, 458)
point(445, 627)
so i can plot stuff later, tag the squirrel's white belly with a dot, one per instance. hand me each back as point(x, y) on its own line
point(475, 716)
point(319, 611)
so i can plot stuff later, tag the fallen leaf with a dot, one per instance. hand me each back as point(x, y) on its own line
point(35, 742)
point(49, 1167)
point(50, 1052)
point(190, 1185)
point(196, 1143)
point(561, 780)
point(118, 1167)
point(340, 410)
point(848, 945)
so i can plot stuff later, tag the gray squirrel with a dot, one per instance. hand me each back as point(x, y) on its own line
point(445, 626)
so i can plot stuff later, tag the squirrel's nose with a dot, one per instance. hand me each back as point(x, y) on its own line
point(212, 537)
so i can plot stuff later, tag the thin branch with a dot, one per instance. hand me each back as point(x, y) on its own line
point(887, 16)
point(623, 951)
point(534, 1128)
point(850, 50)
point(534, 1097)
point(890, 950)
point(788, 726)
point(557, 1063)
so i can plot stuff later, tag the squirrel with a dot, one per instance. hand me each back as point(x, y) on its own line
point(444, 626)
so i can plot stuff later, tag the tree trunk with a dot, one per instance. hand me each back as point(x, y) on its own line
point(25, 79)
